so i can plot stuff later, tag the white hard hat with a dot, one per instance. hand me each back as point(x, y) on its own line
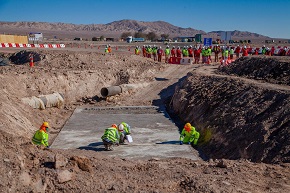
point(121, 127)
point(245, 47)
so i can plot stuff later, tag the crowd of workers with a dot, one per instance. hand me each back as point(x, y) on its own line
point(203, 54)
point(116, 135)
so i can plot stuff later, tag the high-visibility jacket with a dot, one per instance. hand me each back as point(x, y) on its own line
point(167, 51)
point(111, 134)
point(40, 138)
point(137, 51)
point(189, 136)
point(154, 50)
point(226, 53)
point(127, 128)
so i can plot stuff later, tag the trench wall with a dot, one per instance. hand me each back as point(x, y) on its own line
point(235, 119)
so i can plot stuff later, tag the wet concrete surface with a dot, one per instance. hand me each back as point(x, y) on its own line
point(154, 134)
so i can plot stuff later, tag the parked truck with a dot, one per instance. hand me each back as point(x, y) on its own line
point(131, 39)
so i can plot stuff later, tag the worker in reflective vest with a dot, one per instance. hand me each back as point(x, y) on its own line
point(40, 137)
point(189, 135)
point(167, 54)
point(124, 130)
point(111, 137)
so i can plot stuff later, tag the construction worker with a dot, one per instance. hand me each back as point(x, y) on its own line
point(137, 51)
point(154, 52)
point(144, 50)
point(232, 53)
point(178, 52)
point(124, 130)
point(106, 49)
point(237, 51)
point(245, 51)
point(197, 52)
point(41, 136)
point(167, 54)
point(216, 50)
point(111, 137)
point(173, 52)
point(109, 49)
point(189, 135)
point(159, 54)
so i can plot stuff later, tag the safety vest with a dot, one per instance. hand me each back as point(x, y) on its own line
point(226, 53)
point(111, 134)
point(40, 138)
point(189, 136)
point(136, 51)
point(127, 128)
point(167, 51)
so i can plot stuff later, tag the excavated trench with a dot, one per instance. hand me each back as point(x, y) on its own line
point(240, 111)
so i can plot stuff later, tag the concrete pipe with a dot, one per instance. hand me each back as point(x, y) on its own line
point(41, 102)
point(110, 91)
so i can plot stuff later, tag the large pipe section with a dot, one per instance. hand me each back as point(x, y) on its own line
point(43, 101)
point(113, 90)
point(110, 91)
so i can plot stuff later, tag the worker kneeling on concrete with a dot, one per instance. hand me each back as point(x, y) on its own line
point(124, 132)
point(111, 137)
point(40, 138)
point(189, 135)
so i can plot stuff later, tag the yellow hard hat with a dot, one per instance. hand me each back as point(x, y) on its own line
point(45, 124)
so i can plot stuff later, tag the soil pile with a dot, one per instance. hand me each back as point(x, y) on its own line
point(273, 70)
point(238, 118)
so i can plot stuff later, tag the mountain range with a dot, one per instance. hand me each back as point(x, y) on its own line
point(113, 29)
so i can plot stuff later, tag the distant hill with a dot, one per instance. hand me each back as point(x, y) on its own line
point(113, 29)
point(241, 34)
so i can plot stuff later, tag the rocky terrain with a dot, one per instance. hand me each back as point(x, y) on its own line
point(243, 119)
point(113, 29)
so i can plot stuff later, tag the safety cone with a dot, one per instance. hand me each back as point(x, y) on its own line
point(31, 63)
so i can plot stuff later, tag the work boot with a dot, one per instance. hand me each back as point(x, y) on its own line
point(110, 148)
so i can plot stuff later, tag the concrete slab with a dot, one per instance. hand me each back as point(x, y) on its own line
point(154, 134)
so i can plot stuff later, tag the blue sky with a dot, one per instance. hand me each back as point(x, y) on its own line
point(266, 17)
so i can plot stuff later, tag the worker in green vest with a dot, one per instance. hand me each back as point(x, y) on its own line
point(40, 138)
point(189, 135)
point(111, 137)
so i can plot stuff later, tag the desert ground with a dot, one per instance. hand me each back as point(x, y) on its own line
point(242, 112)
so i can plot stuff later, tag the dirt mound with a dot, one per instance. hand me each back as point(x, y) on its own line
point(23, 56)
point(273, 70)
point(236, 118)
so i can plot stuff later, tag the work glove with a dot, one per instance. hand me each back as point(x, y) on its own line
point(181, 142)
point(48, 147)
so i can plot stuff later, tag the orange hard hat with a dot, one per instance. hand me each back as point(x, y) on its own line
point(187, 125)
point(115, 126)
